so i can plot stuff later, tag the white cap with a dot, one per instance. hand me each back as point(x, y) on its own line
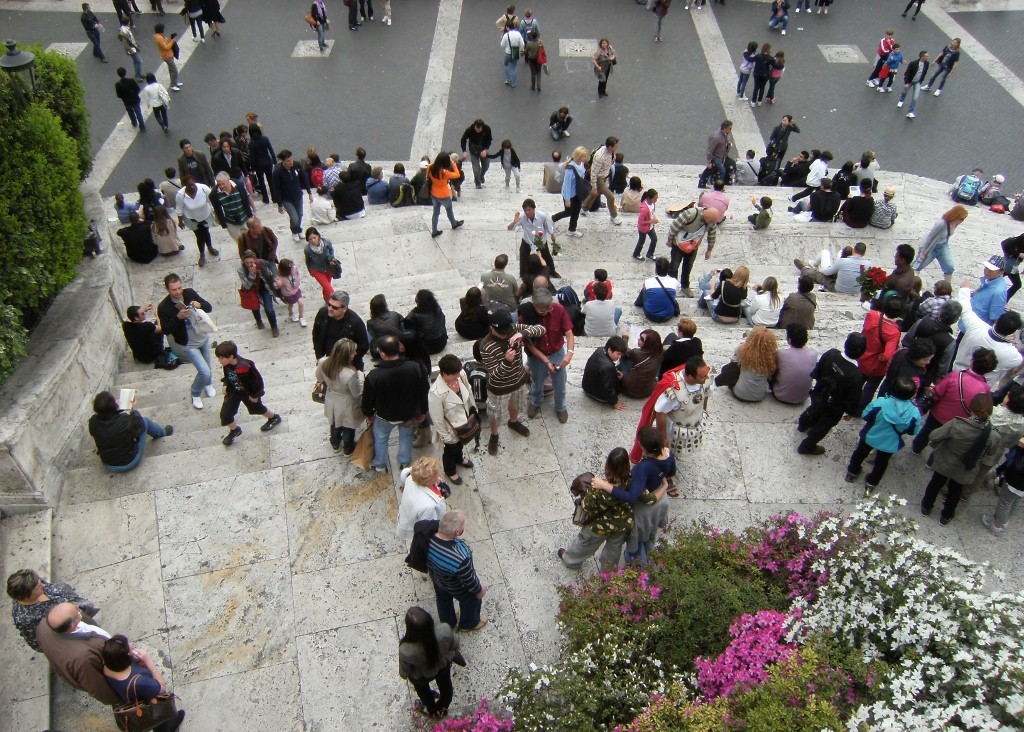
point(999, 178)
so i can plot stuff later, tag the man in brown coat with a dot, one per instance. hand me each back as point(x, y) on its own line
point(257, 238)
point(74, 650)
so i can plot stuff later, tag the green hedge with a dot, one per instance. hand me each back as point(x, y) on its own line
point(42, 217)
point(59, 89)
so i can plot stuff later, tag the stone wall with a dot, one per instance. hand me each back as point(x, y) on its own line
point(73, 353)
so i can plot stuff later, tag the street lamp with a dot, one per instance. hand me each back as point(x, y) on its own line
point(20, 64)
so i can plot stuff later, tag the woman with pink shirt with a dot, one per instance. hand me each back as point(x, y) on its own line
point(954, 392)
point(645, 224)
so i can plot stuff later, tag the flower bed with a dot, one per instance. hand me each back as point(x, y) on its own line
point(799, 624)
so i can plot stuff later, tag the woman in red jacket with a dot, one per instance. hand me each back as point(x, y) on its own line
point(882, 331)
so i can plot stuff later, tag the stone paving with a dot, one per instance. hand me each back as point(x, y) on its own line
point(274, 563)
point(267, 578)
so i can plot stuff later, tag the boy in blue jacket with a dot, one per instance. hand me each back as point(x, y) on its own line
point(886, 420)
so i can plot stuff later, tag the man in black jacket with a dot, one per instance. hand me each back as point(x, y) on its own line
point(601, 375)
point(823, 203)
point(913, 78)
point(836, 392)
point(127, 90)
point(475, 144)
point(360, 170)
point(138, 239)
point(178, 320)
point(796, 169)
point(335, 321)
point(394, 395)
point(120, 432)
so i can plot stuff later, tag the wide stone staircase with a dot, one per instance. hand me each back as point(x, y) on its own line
point(267, 579)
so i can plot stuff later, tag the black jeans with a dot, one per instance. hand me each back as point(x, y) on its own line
point(235, 399)
point(881, 462)
point(921, 439)
point(203, 239)
point(679, 257)
point(353, 11)
point(443, 679)
point(911, 4)
point(343, 435)
point(1015, 279)
point(366, 8)
point(953, 494)
point(572, 213)
point(451, 458)
point(817, 421)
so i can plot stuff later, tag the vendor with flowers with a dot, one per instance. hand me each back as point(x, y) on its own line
point(842, 275)
point(538, 231)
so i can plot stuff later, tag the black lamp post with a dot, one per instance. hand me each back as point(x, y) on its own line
point(19, 64)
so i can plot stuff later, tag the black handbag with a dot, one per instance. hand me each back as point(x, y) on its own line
point(335, 267)
point(319, 394)
point(469, 431)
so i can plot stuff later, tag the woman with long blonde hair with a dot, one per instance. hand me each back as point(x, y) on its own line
point(757, 360)
point(574, 172)
point(729, 297)
point(935, 245)
point(343, 393)
point(765, 308)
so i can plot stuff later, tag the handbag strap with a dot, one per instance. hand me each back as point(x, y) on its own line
point(960, 386)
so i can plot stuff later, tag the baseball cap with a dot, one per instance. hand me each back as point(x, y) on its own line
point(500, 319)
point(999, 178)
point(995, 263)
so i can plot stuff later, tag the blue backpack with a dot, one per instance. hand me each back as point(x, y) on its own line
point(967, 191)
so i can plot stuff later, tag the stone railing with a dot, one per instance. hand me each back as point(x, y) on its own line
point(73, 353)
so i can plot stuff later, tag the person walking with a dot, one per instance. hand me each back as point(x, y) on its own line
point(257, 276)
point(440, 172)
point(131, 47)
point(837, 391)
point(165, 46)
point(194, 12)
point(575, 188)
point(603, 60)
point(243, 384)
point(134, 677)
point(450, 566)
point(885, 47)
point(512, 44)
point(935, 244)
point(181, 325)
point(212, 16)
point(475, 144)
point(319, 254)
point(645, 224)
point(128, 91)
point(425, 654)
point(910, 5)
point(195, 212)
point(912, 78)
point(93, 29)
point(600, 169)
point(287, 183)
point(945, 65)
point(661, 8)
point(343, 391)
point(318, 11)
point(886, 420)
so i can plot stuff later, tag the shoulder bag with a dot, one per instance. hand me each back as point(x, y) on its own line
point(249, 299)
point(583, 186)
point(675, 305)
point(142, 716)
point(319, 394)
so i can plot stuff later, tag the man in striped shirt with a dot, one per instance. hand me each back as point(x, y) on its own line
point(231, 205)
point(450, 564)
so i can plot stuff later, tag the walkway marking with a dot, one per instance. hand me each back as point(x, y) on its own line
point(311, 49)
point(429, 131)
point(842, 54)
point(71, 50)
point(116, 145)
point(577, 47)
point(972, 47)
point(745, 133)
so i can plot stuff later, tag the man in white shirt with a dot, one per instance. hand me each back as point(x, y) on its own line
point(841, 275)
point(600, 169)
point(534, 223)
point(976, 333)
point(195, 211)
point(512, 44)
point(602, 314)
point(819, 169)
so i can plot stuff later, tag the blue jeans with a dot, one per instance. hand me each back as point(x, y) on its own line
point(438, 203)
point(320, 36)
point(539, 373)
point(803, 4)
point(469, 606)
point(137, 62)
point(511, 70)
point(915, 90)
point(267, 298)
point(943, 72)
point(382, 433)
point(742, 84)
point(152, 430)
point(717, 170)
point(294, 212)
point(641, 555)
point(945, 257)
point(97, 51)
point(135, 115)
point(201, 358)
point(779, 20)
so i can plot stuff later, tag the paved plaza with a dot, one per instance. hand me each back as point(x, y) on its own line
point(266, 578)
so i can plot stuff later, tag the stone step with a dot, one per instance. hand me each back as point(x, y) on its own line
point(25, 543)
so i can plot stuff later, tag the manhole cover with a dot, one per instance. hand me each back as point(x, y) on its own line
point(840, 54)
point(577, 47)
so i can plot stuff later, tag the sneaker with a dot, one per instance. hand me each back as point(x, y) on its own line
point(990, 523)
point(944, 520)
point(492, 445)
point(925, 511)
point(652, 258)
point(230, 437)
point(302, 322)
point(380, 468)
point(387, 20)
point(370, 16)
point(869, 489)
point(741, 98)
point(880, 90)
point(616, 220)
point(563, 416)
point(911, 115)
point(784, 30)
point(752, 104)
point(816, 450)
point(210, 391)
point(899, 103)
point(937, 92)
point(294, 318)
point(638, 258)
point(197, 402)
point(566, 134)
point(481, 624)
point(519, 428)
point(871, 82)
point(888, 90)
point(576, 234)
point(532, 411)
point(176, 87)
point(168, 430)
point(925, 87)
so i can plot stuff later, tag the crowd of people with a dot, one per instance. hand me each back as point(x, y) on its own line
point(941, 365)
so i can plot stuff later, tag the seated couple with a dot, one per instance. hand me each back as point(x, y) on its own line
point(840, 275)
point(617, 370)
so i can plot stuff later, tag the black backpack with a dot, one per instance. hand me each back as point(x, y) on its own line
point(768, 173)
point(406, 196)
point(476, 374)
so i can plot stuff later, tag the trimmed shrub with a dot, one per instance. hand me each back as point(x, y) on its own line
point(59, 89)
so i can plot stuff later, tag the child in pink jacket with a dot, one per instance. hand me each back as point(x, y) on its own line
point(645, 225)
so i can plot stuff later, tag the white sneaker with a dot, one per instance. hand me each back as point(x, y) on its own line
point(197, 402)
point(741, 98)
point(871, 82)
point(888, 90)
point(203, 39)
point(938, 92)
point(302, 322)
point(296, 237)
point(899, 103)
point(210, 391)
point(911, 115)
point(387, 21)
point(880, 90)
point(784, 30)
point(616, 220)
point(925, 87)
point(294, 318)
point(798, 10)
point(176, 87)
point(576, 234)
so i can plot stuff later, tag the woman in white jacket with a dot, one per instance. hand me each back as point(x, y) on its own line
point(451, 405)
point(156, 98)
point(422, 496)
